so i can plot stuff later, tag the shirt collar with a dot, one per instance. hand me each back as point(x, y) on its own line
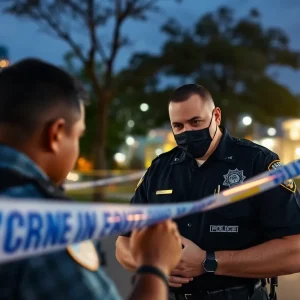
point(224, 150)
point(179, 158)
point(13, 159)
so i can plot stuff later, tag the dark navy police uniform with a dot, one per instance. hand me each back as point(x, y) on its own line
point(175, 177)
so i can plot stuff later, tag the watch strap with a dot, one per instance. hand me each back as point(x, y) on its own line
point(147, 269)
point(210, 255)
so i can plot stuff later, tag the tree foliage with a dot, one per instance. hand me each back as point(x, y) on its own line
point(231, 57)
point(97, 54)
point(228, 55)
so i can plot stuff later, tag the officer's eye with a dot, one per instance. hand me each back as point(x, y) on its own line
point(177, 126)
point(196, 122)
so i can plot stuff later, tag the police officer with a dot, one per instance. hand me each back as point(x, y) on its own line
point(41, 122)
point(228, 250)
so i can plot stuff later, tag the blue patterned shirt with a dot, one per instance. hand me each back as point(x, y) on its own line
point(53, 276)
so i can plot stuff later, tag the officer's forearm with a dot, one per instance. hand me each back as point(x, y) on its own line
point(149, 287)
point(273, 258)
point(123, 254)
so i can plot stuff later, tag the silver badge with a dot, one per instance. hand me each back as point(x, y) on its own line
point(233, 178)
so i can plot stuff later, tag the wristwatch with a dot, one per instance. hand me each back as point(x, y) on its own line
point(210, 264)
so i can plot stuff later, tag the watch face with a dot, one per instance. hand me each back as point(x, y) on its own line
point(210, 265)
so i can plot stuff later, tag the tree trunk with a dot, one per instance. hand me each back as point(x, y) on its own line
point(100, 140)
point(103, 98)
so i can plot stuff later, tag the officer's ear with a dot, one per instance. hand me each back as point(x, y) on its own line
point(55, 134)
point(217, 115)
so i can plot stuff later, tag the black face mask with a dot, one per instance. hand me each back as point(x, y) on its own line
point(195, 142)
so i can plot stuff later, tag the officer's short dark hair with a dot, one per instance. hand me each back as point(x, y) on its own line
point(31, 87)
point(184, 92)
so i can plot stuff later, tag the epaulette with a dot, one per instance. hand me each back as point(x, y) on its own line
point(156, 160)
point(167, 154)
point(250, 144)
point(172, 151)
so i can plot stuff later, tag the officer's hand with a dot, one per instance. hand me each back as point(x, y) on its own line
point(158, 245)
point(191, 260)
point(178, 281)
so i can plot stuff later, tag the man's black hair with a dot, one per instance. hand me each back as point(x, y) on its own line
point(184, 92)
point(32, 87)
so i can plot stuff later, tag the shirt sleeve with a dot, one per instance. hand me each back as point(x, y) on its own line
point(58, 276)
point(278, 208)
point(54, 276)
point(140, 194)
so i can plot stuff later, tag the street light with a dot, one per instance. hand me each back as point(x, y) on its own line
point(144, 107)
point(120, 157)
point(4, 63)
point(73, 176)
point(158, 151)
point(130, 123)
point(130, 141)
point(4, 57)
point(247, 120)
point(271, 131)
point(268, 143)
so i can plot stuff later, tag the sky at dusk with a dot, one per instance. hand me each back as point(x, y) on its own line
point(25, 39)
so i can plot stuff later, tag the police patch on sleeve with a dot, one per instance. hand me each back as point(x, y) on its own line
point(85, 254)
point(288, 184)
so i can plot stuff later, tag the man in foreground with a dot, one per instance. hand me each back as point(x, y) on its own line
point(41, 122)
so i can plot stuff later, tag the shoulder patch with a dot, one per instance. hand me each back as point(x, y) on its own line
point(288, 184)
point(85, 254)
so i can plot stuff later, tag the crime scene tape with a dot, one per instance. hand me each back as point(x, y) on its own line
point(103, 181)
point(34, 227)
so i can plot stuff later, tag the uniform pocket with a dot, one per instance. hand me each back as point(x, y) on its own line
point(166, 195)
point(162, 197)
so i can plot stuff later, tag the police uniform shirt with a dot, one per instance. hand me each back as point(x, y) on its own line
point(175, 177)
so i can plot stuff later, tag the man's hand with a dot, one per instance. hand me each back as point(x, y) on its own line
point(190, 264)
point(178, 281)
point(158, 245)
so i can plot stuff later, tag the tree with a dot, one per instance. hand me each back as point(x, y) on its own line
point(63, 18)
point(231, 57)
point(125, 106)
